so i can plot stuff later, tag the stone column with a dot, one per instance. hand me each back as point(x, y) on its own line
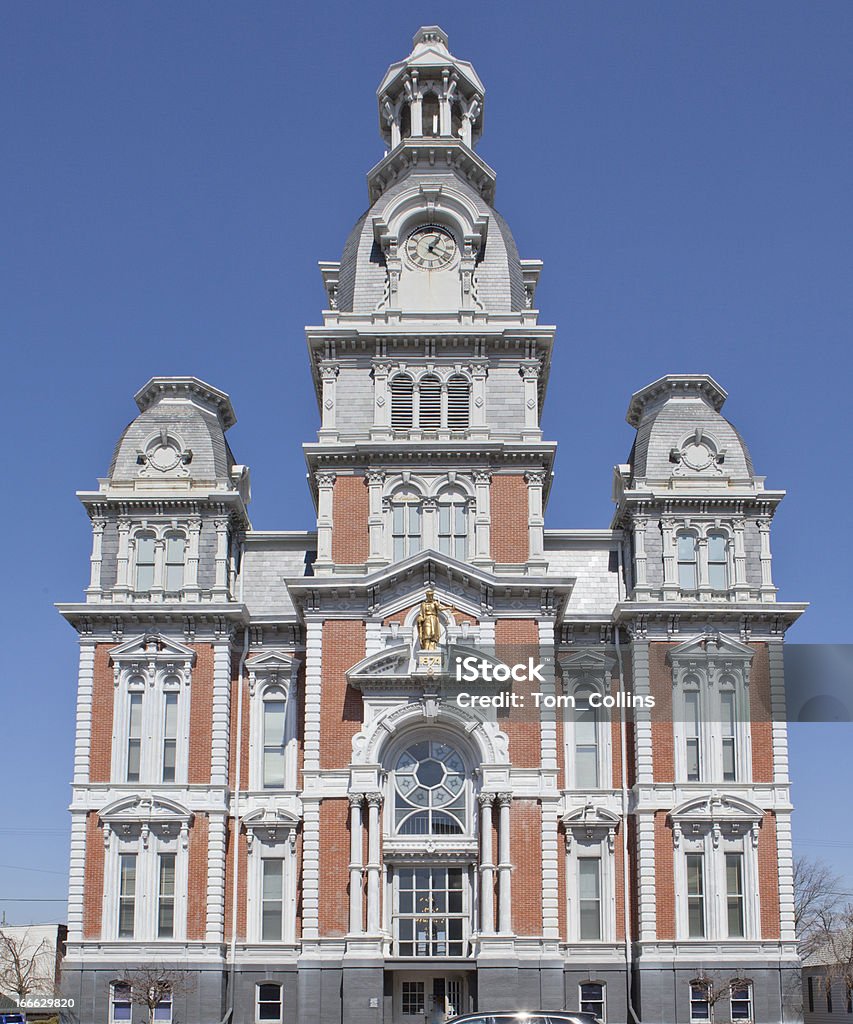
point(483, 518)
point(768, 591)
point(325, 492)
point(374, 866)
point(670, 582)
point(191, 588)
point(529, 370)
point(122, 586)
point(375, 518)
point(479, 426)
point(487, 867)
point(93, 591)
point(215, 929)
point(159, 569)
point(504, 866)
point(740, 584)
point(381, 401)
point(356, 900)
point(535, 520)
point(220, 586)
point(641, 582)
point(329, 376)
point(221, 712)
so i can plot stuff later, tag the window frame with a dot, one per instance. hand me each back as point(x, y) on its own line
point(601, 1000)
point(706, 988)
point(404, 542)
point(258, 1001)
point(681, 562)
point(166, 899)
point(454, 542)
point(745, 984)
point(421, 914)
point(582, 862)
point(114, 1001)
point(126, 898)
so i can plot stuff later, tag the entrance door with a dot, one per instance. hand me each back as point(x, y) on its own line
point(429, 998)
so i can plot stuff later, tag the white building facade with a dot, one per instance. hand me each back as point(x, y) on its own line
point(273, 790)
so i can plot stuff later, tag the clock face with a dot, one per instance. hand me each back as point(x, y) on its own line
point(431, 247)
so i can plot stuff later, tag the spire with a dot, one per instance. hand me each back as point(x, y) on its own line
point(431, 94)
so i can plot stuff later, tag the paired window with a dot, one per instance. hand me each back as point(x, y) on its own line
point(174, 546)
point(269, 1005)
point(589, 898)
point(127, 896)
point(429, 790)
point(406, 524)
point(428, 404)
point(592, 999)
point(718, 561)
point(687, 555)
point(430, 919)
point(165, 732)
point(735, 895)
point(145, 561)
point(453, 524)
point(709, 729)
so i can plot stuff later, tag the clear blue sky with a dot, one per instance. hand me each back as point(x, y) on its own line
point(173, 171)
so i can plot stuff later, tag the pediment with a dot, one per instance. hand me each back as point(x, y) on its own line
point(270, 824)
point(716, 807)
point(590, 661)
point(711, 647)
point(271, 661)
point(391, 663)
point(590, 816)
point(152, 647)
point(145, 809)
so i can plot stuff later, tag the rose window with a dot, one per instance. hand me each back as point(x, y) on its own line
point(429, 799)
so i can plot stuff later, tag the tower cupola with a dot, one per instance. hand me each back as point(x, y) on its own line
point(430, 94)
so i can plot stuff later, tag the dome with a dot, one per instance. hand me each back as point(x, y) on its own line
point(681, 433)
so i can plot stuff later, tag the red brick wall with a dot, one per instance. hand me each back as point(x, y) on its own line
point(664, 877)
point(350, 509)
point(334, 867)
point(619, 868)
point(341, 707)
point(615, 736)
point(201, 715)
point(663, 743)
point(197, 878)
point(103, 699)
point(526, 852)
point(760, 725)
point(93, 879)
point(244, 743)
point(516, 640)
point(768, 878)
point(509, 519)
point(242, 853)
point(562, 907)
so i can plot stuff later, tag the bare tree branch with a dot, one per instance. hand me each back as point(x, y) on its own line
point(151, 985)
point(25, 968)
point(816, 889)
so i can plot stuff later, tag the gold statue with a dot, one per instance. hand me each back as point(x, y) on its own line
point(428, 621)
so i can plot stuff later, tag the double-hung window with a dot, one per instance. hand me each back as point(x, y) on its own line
point(268, 1003)
point(741, 1001)
point(175, 552)
point(734, 895)
point(728, 734)
point(121, 1004)
point(127, 896)
point(589, 898)
point(718, 561)
point(163, 1009)
point(275, 713)
point(272, 910)
point(145, 547)
point(688, 579)
point(406, 528)
point(695, 895)
point(166, 897)
point(134, 737)
point(170, 736)
point(692, 736)
point(700, 1001)
point(592, 999)
point(453, 525)
point(586, 744)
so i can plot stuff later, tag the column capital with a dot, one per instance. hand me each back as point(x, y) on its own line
point(504, 799)
point(355, 799)
point(375, 477)
point(326, 479)
point(535, 477)
point(486, 799)
point(373, 799)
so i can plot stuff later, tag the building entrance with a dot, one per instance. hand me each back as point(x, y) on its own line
point(421, 998)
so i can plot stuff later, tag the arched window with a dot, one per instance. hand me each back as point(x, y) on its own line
point(586, 742)
point(175, 552)
point(144, 561)
point(406, 523)
point(134, 730)
point(430, 115)
point(268, 1003)
point(275, 710)
point(728, 728)
point(453, 524)
point(687, 575)
point(429, 402)
point(692, 731)
point(458, 402)
point(429, 790)
point(456, 119)
point(718, 561)
point(402, 389)
point(406, 121)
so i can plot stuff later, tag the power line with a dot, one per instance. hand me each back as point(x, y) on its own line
point(22, 867)
point(31, 899)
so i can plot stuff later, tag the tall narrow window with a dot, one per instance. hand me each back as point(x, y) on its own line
point(430, 114)
point(127, 895)
point(458, 403)
point(121, 1004)
point(144, 561)
point(429, 403)
point(430, 918)
point(700, 1001)
point(586, 744)
point(406, 524)
point(589, 898)
point(402, 391)
point(592, 999)
point(828, 986)
point(741, 996)
point(810, 987)
point(274, 743)
point(728, 734)
point(695, 896)
point(134, 737)
point(269, 1003)
point(718, 562)
point(163, 1009)
point(687, 576)
point(456, 119)
point(170, 736)
point(692, 740)
point(272, 911)
point(453, 525)
point(175, 551)
point(734, 894)
point(166, 897)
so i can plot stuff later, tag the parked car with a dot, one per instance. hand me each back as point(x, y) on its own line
point(527, 1017)
point(12, 1018)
